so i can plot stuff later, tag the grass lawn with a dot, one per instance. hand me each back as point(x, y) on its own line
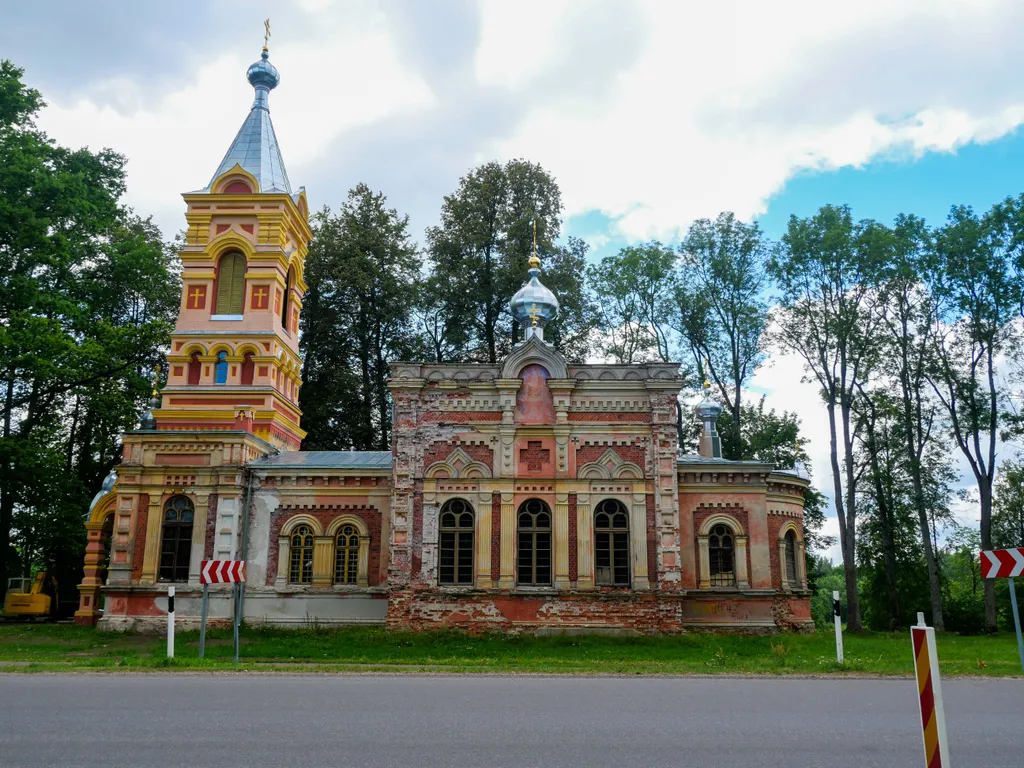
point(64, 647)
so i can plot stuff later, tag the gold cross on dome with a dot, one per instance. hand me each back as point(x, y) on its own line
point(266, 32)
point(533, 314)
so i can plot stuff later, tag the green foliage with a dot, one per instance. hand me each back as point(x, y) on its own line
point(719, 309)
point(827, 578)
point(87, 293)
point(479, 255)
point(632, 291)
point(362, 273)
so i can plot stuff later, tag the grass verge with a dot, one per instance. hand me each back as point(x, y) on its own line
point(368, 649)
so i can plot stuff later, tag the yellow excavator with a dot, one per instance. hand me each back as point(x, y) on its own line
point(28, 598)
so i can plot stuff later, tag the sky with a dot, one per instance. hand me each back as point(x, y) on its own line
point(649, 114)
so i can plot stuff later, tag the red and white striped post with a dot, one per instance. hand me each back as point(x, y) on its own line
point(220, 572)
point(929, 691)
point(1006, 563)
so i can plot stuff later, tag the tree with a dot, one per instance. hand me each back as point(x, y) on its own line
point(362, 272)
point(906, 321)
point(84, 310)
point(479, 254)
point(632, 289)
point(823, 269)
point(720, 311)
point(774, 438)
point(977, 295)
point(1008, 508)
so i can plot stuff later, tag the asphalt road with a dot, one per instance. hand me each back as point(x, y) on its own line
point(428, 722)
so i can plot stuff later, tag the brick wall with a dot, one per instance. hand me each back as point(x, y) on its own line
point(370, 516)
point(652, 543)
point(441, 450)
point(211, 527)
point(634, 454)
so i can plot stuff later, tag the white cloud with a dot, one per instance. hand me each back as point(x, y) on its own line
point(652, 112)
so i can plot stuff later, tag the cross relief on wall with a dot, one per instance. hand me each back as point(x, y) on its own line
point(534, 456)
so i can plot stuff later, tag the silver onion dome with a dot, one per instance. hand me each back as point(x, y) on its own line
point(534, 306)
point(708, 409)
point(263, 73)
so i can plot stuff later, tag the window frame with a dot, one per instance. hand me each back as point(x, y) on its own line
point(463, 541)
point(346, 556)
point(302, 564)
point(535, 534)
point(719, 576)
point(617, 544)
point(229, 296)
point(175, 572)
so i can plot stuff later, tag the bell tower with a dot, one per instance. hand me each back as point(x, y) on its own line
point(234, 359)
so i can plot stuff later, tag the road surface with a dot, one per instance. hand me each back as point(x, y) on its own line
point(167, 720)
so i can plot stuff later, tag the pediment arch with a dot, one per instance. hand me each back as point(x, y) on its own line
point(536, 352)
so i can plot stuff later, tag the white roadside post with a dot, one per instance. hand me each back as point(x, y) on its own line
point(836, 613)
point(170, 622)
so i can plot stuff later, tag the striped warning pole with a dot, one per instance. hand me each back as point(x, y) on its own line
point(929, 690)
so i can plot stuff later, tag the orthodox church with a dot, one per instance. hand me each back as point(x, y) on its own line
point(533, 495)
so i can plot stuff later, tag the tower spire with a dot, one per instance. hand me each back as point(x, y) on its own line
point(534, 306)
point(255, 148)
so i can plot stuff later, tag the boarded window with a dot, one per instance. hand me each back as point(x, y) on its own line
point(791, 558)
point(248, 369)
point(611, 544)
point(455, 565)
point(176, 539)
point(230, 284)
point(221, 371)
point(534, 552)
point(194, 369)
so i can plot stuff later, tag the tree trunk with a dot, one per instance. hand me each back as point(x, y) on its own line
point(985, 494)
point(849, 564)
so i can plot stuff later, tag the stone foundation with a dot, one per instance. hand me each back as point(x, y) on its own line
point(478, 611)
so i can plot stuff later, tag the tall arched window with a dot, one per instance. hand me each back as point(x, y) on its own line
point(456, 539)
point(301, 553)
point(721, 553)
point(221, 370)
point(230, 284)
point(611, 544)
point(248, 370)
point(346, 556)
point(791, 559)
point(176, 541)
point(195, 369)
point(286, 304)
point(534, 555)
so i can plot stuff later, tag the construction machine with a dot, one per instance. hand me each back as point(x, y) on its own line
point(28, 598)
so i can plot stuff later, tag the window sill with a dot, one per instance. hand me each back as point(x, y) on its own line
point(226, 317)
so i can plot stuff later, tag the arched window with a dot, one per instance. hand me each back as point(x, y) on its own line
point(791, 559)
point(534, 556)
point(230, 284)
point(720, 552)
point(456, 557)
point(346, 556)
point(286, 304)
point(248, 369)
point(611, 544)
point(221, 371)
point(301, 552)
point(176, 544)
point(195, 369)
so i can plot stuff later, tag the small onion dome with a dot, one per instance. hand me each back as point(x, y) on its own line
point(534, 306)
point(707, 409)
point(263, 73)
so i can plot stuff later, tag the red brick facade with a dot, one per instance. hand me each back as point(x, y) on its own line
point(370, 517)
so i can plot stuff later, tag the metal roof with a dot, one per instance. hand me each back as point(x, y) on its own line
point(255, 147)
point(326, 460)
